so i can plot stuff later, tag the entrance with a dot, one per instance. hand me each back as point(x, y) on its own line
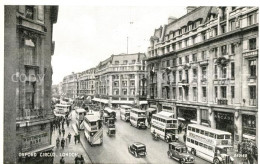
point(225, 121)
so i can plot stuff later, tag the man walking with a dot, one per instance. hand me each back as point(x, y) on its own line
point(62, 143)
point(62, 161)
point(63, 132)
point(69, 136)
point(78, 138)
point(81, 159)
point(59, 131)
point(75, 138)
point(57, 142)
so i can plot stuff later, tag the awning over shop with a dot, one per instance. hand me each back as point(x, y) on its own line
point(42, 149)
point(96, 99)
point(249, 137)
point(167, 114)
point(143, 102)
point(103, 101)
point(151, 109)
point(122, 102)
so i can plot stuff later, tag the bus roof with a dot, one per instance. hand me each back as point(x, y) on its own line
point(177, 144)
point(63, 105)
point(137, 110)
point(201, 127)
point(92, 117)
point(125, 106)
point(109, 109)
point(164, 117)
point(80, 110)
point(165, 114)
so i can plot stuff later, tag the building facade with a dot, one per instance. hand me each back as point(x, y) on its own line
point(203, 68)
point(87, 83)
point(70, 86)
point(121, 79)
point(28, 80)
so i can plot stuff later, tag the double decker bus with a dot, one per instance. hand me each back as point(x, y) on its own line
point(61, 110)
point(93, 129)
point(125, 112)
point(137, 118)
point(80, 113)
point(165, 126)
point(210, 144)
point(110, 112)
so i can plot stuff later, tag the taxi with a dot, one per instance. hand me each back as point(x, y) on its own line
point(137, 149)
point(179, 152)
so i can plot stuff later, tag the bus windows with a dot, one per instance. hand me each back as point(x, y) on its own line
point(220, 137)
point(202, 132)
point(205, 146)
point(169, 121)
point(183, 150)
point(227, 136)
point(196, 143)
point(197, 131)
point(210, 148)
point(206, 133)
point(211, 135)
point(188, 139)
point(92, 123)
point(192, 141)
point(201, 144)
point(193, 129)
point(189, 128)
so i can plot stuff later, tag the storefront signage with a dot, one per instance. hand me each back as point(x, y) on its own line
point(38, 139)
point(224, 116)
point(201, 139)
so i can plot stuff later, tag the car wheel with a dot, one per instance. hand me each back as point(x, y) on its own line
point(136, 155)
point(216, 161)
point(181, 161)
point(193, 152)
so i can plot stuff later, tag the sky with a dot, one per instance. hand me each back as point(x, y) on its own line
point(86, 35)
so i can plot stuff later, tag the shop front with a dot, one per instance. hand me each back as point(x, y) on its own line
point(249, 127)
point(224, 121)
point(187, 115)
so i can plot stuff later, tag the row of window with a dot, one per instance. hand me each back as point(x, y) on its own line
point(163, 120)
point(200, 144)
point(208, 134)
point(125, 62)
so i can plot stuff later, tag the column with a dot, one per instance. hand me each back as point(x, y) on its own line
point(238, 71)
point(238, 124)
point(128, 86)
point(220, 13)
point(211, 76)
point(136, 84)
point(198, 115)
point(159, 84)
point(199, 90)
point(211, 118)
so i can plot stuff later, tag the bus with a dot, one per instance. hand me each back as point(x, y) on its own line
point(125, 112)
point(164, 125)
point(210, 144)
point(137, 118)
point(93, 129)
point(80, 113)
point(61, 110)
point(110, 112)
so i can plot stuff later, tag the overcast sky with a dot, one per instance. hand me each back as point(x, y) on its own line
point(86, 35)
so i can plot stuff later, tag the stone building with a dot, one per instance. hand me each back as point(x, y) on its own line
point(121, 79)
point(70, 86)
point(203, 68)
point(87, 83)
point(28, 48)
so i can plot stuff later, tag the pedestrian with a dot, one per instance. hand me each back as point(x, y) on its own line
point(238, 147)
point(78, 138)
point(77, 160)
point(62, 143)
point(59, 131)
point(53, 126)
point(66, 141)
point(57, 142)
point(63, 132)
point(184, 137)
point(62, 161)
point(75, 138)
point(68, 123)
point(62, 123)
point(69, 136)
point(81, 159)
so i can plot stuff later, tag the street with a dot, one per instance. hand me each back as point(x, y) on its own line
point(115, 149)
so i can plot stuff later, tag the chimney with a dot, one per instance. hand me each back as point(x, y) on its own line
point(190, 8)
point(171, 19)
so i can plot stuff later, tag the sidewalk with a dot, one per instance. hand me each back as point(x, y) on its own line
point(70, 150)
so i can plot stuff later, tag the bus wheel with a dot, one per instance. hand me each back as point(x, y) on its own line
point(193, 152)
point(216, 161)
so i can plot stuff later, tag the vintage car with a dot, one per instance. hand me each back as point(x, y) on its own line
point(137, 149)
point(179, 152)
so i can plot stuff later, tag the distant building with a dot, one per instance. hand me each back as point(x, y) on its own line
point(70, 86)
point(27, 82)
point(203, 68)
point(121, 79)
point(86, 83)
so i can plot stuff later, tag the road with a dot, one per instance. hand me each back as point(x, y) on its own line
point(115, 149)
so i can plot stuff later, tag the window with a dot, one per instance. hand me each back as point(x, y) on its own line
point(216, 71)
point(216, 31)
point(180, 61)
point(223, 91)
point(223, 29)
point(224, 71)
point(174, 92)
point(204, 72)
point(30, 95)
point(180, 45)
point(232, 92)
point(203, 36)
point(116, 62)
point(174, 62)
point(204, 117)
point(252, 94)
point(195, 93)
point(203, 55)
point(186, 42)
point(194, 57)
point(168, 63)
point(204, 92)
point(168, 48)
point(29, 12)
point(163, 52)
point(216, 93)
point(252, 44)
point(232, 25)
point(250, 20)
point(252, 67)
point(216, 52)
point(174, 76)
point(187, 59)
point(197, 131)
point(174, 46)
point(195, 73)
point(194, 39)
point(180, 93)
point(233, 70)
point(233, 48)
point(180, 75)
point(224, 50)
point(133, 61)
point(125, 62)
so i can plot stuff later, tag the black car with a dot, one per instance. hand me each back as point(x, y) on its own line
point(137, 149)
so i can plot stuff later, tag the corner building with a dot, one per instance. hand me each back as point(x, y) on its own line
point(87, 83)
point(27, 83)
point(121, 79)
point(203, 68)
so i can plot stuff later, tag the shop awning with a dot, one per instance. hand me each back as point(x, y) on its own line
point(167, 114)
point(151, 109)
point(104, 101)
point(42, 149)
point(122, 102)
point(96, 99)
point(143, 102)
point(249, 137)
